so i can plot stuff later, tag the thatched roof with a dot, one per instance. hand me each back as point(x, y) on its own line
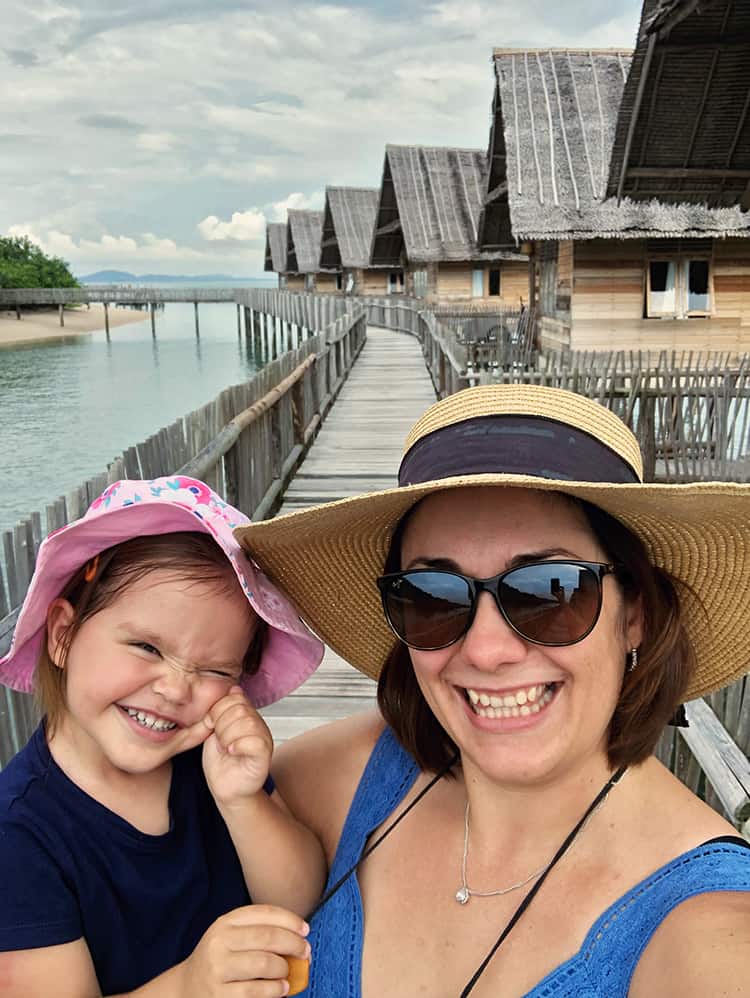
point(556, 111)
point(683, 131)
point(304, 229)
point(663, 15)
point(348, 223)
point(276, 247)
point(430, 202)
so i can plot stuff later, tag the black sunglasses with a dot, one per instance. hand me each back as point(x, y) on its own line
point(553, 603)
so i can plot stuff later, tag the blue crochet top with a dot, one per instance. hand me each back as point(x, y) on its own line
point(603, 966)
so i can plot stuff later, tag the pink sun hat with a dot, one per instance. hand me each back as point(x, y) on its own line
point(134, 508)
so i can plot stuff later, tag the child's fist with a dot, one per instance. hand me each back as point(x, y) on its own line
point(237, 755)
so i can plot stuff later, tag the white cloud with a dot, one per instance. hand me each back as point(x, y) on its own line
point(457, 13)
point(244, 226)
point(109, 247)
point(278, 209)
point(156, 141)
point(284, 97)
point(242, 172)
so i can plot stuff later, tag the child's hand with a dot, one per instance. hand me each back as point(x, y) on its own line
point(247, 944)
point(237, 755)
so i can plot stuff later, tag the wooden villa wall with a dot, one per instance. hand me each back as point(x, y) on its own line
point(591, 296)
point(455, 283)
point(325, 283)
point(731, 270)
point(514, 282)
point(295, 282)
point(371, 282)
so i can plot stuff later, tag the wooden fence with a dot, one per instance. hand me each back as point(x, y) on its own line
point(690, 414)
point(246, 444)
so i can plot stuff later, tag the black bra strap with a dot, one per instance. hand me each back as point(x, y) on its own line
point(366, 852)
point(535, 889)
point(734, 840)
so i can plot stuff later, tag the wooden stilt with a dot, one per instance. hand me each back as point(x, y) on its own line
point(106, 320)
point(152, 307)
point(18, 311)
point(197, 327)
point(239, 320)
point(62, 317)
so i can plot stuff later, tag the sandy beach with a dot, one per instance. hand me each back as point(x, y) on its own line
point(45, 325)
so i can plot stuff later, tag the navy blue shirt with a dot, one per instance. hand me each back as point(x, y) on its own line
point(70, 868)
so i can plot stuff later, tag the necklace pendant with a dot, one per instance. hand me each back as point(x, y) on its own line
point(462, 895)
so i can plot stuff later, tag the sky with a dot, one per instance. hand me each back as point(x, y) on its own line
point(160, 136)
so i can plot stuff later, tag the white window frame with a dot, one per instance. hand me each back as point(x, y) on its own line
point(680, 308)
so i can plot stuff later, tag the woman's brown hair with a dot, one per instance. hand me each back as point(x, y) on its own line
point(650, 694)
point(191, 556)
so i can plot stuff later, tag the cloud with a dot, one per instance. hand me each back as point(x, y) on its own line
point(241, 172)
point(156, 141)
point(22, 57)
point(245, 226)
point(278, 209)
point(152, 116)
point(113, 121)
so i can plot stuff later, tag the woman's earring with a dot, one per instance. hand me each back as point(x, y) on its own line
point(633, 660)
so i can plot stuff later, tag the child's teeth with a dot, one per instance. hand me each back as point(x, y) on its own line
point(149, 721)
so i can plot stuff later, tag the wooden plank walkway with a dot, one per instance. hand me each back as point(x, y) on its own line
point(357, 450)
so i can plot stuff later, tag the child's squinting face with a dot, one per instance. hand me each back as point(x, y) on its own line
point(143, 671)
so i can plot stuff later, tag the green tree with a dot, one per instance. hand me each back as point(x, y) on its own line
point(24, 265)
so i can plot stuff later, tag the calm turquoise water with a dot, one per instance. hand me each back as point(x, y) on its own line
point(68, 407)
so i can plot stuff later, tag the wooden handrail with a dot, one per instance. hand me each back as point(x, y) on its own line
point(198, 466)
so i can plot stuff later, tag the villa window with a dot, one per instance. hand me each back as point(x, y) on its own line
point(309, 282)
point(339, 282)
point(420, 283)
point(494, 282)
point(678, 288)
point(477, 282)
point(396, 282)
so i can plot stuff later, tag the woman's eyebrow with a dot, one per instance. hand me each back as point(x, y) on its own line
point(448, 564)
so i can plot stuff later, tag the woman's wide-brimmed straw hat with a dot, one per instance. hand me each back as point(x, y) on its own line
point(328, 557)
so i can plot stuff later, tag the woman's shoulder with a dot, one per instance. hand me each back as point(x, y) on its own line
point(317, 773)
point(702, 946)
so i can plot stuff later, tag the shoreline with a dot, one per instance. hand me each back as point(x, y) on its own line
point(40, 326)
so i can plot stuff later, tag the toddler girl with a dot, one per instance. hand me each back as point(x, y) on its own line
point(147, 633)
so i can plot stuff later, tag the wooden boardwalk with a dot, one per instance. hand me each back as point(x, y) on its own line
point(357, 450)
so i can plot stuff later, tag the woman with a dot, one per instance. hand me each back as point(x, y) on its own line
point(551, 613)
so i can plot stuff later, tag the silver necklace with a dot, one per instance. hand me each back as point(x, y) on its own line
point(465, 893)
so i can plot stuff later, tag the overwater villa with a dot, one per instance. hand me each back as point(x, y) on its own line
point(275, 258)
point(627, 179)
point(304, 273)
point(427, 227)
point(348, 224)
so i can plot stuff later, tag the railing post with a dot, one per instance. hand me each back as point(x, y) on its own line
point(647, 435)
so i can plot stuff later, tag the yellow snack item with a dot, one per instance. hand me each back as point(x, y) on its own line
point(299, 974)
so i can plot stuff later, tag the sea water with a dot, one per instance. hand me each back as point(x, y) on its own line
point(69, 406)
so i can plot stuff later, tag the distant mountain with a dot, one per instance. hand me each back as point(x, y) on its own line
point(123, 277)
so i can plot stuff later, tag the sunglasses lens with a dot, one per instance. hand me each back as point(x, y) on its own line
point(552, 603)
point(427, 610)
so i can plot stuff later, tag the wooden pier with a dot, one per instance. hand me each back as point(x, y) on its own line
point(278, 442)
point(357, 450)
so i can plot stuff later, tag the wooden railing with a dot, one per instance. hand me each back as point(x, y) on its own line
point(246, 444)
point(691, 416)
point(687, 412)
